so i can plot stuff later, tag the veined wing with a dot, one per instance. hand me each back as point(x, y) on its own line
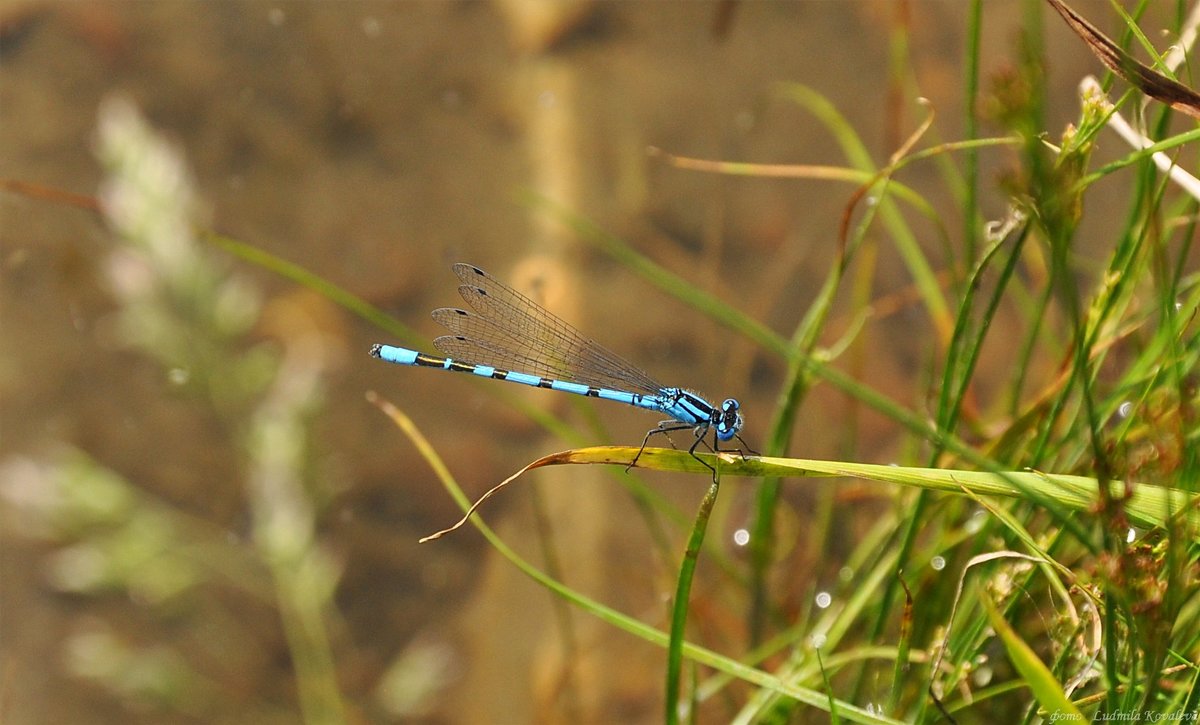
point(513, 332)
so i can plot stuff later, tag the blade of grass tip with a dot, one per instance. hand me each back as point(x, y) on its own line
point(683, 590)
point(1046, 690)
point(423, 446)
point(478, 502)
point(429, 454)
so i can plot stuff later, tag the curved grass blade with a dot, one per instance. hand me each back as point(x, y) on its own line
point(1146, 504)
point(700, 655)
point(1040, 679)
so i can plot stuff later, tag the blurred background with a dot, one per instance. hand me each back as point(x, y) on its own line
point(203, 518)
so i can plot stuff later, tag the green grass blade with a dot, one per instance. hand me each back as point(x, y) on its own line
point(679, 609)
point(1147, 504)
point(1040, 679)
point(700, 655)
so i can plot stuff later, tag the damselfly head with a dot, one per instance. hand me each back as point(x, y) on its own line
point(730, 420)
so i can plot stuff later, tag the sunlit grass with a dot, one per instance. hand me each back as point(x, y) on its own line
point(1037, 552)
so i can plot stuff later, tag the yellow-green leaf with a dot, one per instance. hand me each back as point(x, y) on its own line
point(1041, 680)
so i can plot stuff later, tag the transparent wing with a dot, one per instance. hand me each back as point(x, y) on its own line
point(513, 332)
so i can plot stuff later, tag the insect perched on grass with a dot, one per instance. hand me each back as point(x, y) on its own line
point(510, 337)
